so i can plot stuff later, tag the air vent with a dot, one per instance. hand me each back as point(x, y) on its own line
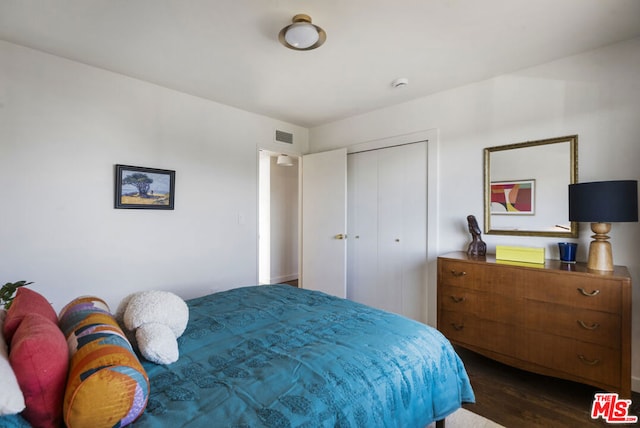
point(284, 137)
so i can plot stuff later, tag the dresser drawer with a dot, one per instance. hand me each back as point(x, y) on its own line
point(473, 276)
point(601, 328)
point(488, 306)
point(467, 329)
point(586, 292)
point(576, 358)
point(460, 274)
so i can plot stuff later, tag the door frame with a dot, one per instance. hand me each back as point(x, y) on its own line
point(271, 152)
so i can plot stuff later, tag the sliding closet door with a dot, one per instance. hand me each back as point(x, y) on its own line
point(362, 224)
point(387, 223)
point(391, 227)
point(411, 184)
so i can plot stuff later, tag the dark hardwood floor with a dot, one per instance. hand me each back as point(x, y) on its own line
point(519, 399)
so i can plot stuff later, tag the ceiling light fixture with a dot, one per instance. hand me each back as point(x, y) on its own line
point(284, 160)
point(302, 35)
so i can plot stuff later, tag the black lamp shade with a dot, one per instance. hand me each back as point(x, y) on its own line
point(604, 201)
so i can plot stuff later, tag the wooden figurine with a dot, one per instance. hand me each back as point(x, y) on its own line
point(477, 247)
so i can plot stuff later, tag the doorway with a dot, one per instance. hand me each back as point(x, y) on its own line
point(278, 211)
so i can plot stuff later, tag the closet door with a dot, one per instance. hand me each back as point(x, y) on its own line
point(414, 230)
point(387, 222)
point(391, 230)
point(362, 224)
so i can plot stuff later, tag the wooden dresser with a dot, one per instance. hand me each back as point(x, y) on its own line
point(557, 319)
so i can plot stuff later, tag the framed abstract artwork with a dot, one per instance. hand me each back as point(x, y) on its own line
point(144, 188)
point(513, 197)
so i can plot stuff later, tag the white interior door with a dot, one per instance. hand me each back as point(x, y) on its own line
point(324, 222)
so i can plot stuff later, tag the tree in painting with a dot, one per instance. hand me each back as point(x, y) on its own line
point(141, 181)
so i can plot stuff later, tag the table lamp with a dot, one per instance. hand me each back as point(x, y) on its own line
point(602, 203)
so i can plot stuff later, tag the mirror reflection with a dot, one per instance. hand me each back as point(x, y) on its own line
point(526, 187)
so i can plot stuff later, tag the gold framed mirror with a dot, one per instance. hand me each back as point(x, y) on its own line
point(526, 188)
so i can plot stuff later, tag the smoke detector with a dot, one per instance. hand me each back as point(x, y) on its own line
point(400, 82)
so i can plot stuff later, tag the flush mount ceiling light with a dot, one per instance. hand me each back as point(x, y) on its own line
point(302, 35)
point(284, 160)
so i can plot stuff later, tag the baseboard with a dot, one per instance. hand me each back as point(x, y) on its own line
point(284, 278)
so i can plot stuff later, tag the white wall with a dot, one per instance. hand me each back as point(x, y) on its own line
point(595, 95)
point(64, 125)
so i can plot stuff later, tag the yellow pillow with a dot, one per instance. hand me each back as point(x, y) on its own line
point(107, 386)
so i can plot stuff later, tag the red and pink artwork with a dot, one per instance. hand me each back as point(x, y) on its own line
point(513, 197)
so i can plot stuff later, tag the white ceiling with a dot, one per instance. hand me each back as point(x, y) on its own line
point(228, 51)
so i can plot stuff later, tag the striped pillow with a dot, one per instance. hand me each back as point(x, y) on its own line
point(107, 386)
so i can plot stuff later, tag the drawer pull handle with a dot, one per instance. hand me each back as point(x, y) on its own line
point(457, 299)
point(593, 326)
point(586, 293)
point(458, 273)
point(588, 361)
point(457, 327)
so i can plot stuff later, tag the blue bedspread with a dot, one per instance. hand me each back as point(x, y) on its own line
point(278, 356)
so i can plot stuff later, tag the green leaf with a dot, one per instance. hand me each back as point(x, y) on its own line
point(8, 290)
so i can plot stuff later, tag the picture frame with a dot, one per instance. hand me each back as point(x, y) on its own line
point(516, 197)
point(144, 188)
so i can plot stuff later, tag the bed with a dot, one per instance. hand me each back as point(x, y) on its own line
point(279, 356)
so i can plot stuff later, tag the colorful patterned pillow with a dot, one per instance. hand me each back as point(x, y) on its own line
point(107, 385)
point(26, 302)
point(40, 360)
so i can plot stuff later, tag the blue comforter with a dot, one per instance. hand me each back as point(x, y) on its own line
point(278, 356)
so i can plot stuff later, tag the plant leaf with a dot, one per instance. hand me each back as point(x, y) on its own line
point(8, 290)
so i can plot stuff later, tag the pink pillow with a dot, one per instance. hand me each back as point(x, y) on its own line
point(26, 302)
point(39, 357)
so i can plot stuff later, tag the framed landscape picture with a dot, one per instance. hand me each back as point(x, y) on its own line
point(144, 188)
point(513, 197)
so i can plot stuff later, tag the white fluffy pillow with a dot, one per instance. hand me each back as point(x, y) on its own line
point(157, 318)
point(157, 343)
point(11, 397)
point(155, 306)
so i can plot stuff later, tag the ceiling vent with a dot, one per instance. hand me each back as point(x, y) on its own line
point(284, 137)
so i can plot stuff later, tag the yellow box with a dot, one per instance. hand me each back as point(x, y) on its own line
point(520, 254)
point(525, 264)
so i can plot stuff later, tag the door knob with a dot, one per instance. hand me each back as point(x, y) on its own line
point(340, 236)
